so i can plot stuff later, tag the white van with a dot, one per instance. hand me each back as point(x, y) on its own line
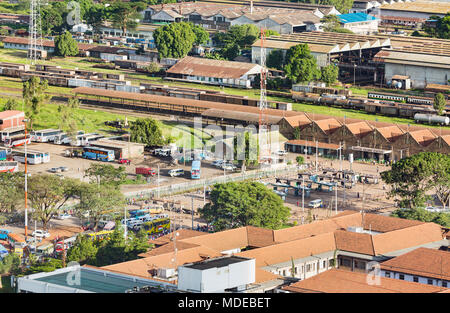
point(176, 172)
point(315, 203)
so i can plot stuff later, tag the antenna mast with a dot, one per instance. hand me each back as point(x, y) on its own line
point(264, 142)
point(35, 32)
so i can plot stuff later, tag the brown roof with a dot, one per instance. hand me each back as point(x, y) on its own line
point(423, 137)
point(342, 281)
point(329, 125)
point(354, 242)
point(295, 249)
point(9, 114)
point(182, 234)
point(390, 133)
point(446, 139)
point(211, 68)
point(318, 227)
point(383, 224)
point(359, 129)
point(407, 237)
point(167, 248)
point(260, 237)
point(222, 241)
point(421, 262)
point(45, 43)
point(143, 266)
point(298, 120)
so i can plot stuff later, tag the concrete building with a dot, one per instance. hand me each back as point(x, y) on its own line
point(359, 23)
point(422, 265)
point(364, 6)
point(214, 16)
point(410, 13)
point(214, 72)
point(85, 279)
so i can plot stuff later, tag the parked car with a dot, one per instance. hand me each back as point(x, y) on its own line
point(280, 152)
point(315, 203)
point(124, 161)
point(63, 168)
point(176, 172)
point(63, 216)
point(54, 170)
point(41, 233)
point(229, 167)
point(217, 163)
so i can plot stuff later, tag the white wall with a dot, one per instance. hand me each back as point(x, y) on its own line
point(410, 278)
point(420, 76)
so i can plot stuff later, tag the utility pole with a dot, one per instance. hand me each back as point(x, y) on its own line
point(192, 210)
point(335, 205)
point(317, 152)
point(158, 183)
point(204, 193)
point(125, 222)
point(26, 181)
point(303, 194)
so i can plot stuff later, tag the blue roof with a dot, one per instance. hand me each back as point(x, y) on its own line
point(355, 17)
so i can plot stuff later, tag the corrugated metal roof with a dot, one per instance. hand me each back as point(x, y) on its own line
point(356, 17)
point(212, 68)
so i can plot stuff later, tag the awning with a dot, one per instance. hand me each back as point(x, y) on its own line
point(313, 144)
point(372, 150)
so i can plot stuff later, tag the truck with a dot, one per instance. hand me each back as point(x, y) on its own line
point(147, 171)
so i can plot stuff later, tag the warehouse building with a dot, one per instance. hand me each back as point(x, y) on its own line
point(359, 23)
point(11, 119)
point(410, 13)
point(122, 149)
point(214, 72)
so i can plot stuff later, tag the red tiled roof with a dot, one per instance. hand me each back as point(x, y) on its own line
point(10, 114)
point(342, 281)
point(354, 242)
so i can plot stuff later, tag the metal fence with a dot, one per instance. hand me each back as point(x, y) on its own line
point(169, 190)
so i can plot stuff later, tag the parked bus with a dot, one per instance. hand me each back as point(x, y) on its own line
point(8, 134)
point(157, 226)
point(4, 153)
point(4, 234)
point(87, 139)
point(77, 142)
point(17, 141)
point(100, 235)
point(45, 135)
point(196, 169)
point(33, 157)
point(9, 166)
point(98, 154)
point(65, 139)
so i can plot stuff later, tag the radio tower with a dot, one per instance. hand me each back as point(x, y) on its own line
point(264, 140)
point(35, 32)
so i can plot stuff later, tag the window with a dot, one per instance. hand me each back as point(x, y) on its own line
point(324, 264)
point(430, 282)
point(387, 274)
point(401, 276)
point(444, 284)
point(415, 279)
point(284, 272)
point(308, 267)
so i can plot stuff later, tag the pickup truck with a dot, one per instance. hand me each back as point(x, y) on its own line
point(147, 171)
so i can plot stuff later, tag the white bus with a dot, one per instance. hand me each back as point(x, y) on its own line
point(33, 157)
point(45, 135)
point(12, 133)
point(87, 139)
point(9, 166)
point(64, 138)
point(17, 141)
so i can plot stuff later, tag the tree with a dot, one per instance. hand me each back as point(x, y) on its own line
point(245, 203)
point(300, 65)
point(67, 122)
point(300, 160)
point(34, 97)
point(439, 103)
point(106, 174)
point(10, 264)
point(230, 51)
point(201, 35)
point(65, 45)
point(96, 15)
point(147, 131)
point(11, 104)
point(125, 15)
point(442, 28)
point(246, 148)
point(98, 199)
point(332, 23)
point(82, 251)
point(153, 68)
point(420, 214)
point(275, 59)
point(270, 32)
point(412, 177)
point(174, 40)
point(48, 266)
point(48, 193)
point(329, 74)
point(10, 193)
point(51, 19)
point(242, 35)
